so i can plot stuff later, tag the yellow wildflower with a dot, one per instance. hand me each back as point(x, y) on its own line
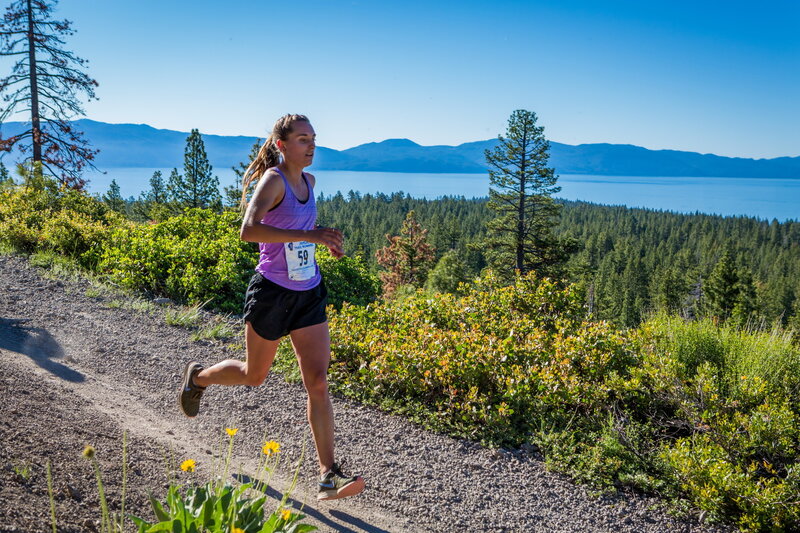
point(286, 514)
point(271, 448)
point(237, 530)
point(188, 465)
point(231, 431)
point(88, 452)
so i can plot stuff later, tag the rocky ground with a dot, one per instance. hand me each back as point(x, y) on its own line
point(79, 366)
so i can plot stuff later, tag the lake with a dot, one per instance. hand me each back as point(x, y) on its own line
point(758, 197)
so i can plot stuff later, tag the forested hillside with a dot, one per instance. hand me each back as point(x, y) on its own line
point(632, 260)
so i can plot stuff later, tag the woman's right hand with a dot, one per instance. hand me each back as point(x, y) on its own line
point(330, 237)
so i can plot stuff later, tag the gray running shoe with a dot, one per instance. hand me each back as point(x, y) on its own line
point(190, 394)
point(334, 485)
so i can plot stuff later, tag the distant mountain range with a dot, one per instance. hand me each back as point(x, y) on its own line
point(139, 145)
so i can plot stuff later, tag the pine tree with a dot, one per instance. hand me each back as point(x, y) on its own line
point(408, 257)
point(669, 290)
point(45, 82)
point(158, 193)
point(197, 187)
point(745, 308)
point(793, 320)
point(232, 194)
point(634, 291)
point(721, 289)
point(5, 177)
point(521, 236)
point(449, 272)
point(173, 182)
point(153, 204)
point(113, 198)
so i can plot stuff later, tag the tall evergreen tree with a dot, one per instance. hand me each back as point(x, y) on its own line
point(669, 290)
point(232, 194)
point(113, 199)
point(408, 257)
point(5, 177)
point(158, 193)
point(45, 82)
point(153, 204)
point(721, 289)
point(633, 290)
point(197, 187)
point(745, 308)
point(173, 182)
point(521, 236)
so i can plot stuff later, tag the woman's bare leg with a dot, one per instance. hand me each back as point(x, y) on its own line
point(253, 371)
point(313, 348)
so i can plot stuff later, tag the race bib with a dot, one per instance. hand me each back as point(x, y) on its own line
point(300, 260)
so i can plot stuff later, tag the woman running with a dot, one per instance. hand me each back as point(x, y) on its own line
point(286, 295)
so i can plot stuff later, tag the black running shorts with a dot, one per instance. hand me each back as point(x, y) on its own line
point(274, 311)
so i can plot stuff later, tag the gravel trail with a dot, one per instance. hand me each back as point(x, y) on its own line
point(77, 370)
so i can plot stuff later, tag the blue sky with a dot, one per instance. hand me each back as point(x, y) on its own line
point(712, 77)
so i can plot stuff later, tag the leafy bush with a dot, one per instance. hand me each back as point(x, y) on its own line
point(488, 365)
point(197, 257)
point(758, 497)
point(194, 257)
point(738, 453)
point(41, 216)
point(347, 279)
point(450, 272)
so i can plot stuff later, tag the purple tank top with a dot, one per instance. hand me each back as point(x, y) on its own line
point(301, 271)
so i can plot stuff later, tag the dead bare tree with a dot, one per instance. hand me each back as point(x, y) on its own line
point(47, 81)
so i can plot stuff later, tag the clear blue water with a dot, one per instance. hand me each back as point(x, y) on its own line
point(762, 198)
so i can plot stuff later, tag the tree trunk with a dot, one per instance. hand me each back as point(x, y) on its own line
point(36, 131)
point(521, 206)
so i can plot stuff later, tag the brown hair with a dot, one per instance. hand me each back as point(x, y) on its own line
point(268, 155)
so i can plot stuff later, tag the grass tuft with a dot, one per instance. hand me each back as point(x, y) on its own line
point(23, 470)
point(221, 330)
point(186, 317)
point(56, 266)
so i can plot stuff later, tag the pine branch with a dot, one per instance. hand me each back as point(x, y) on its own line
point(10, 80)
point(16, 93)
point(505, 198)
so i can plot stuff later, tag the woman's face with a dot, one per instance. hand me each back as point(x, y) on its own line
point(298, 148)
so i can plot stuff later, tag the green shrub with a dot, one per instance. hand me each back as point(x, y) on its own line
point(755, 495)
point(732, 353)
point(71, 234)
point(41, 216)
point(198, 257)
point(486, 365)
point(195, 257)
point(449, 274)
point(738, 453)
point(347, 279)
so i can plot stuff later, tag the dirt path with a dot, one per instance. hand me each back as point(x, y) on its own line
point(76, 371)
